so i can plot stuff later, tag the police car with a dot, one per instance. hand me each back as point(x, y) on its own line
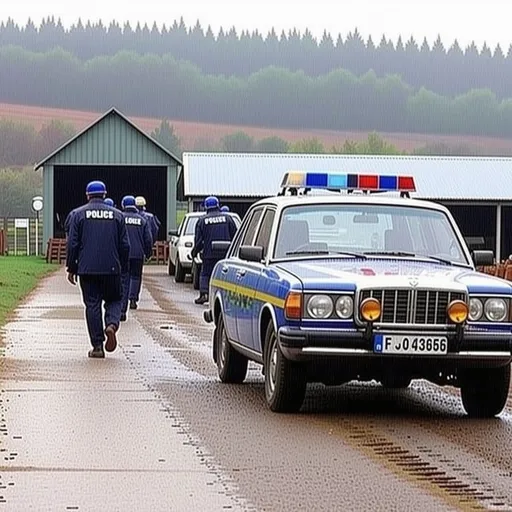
point(359, 282)
point(180, 261)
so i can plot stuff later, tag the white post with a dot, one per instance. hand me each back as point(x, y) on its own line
point(498, 233)
point(28, 237)
point(37, 234)
point(15, 239)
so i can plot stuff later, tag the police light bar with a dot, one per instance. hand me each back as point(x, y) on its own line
point(365, 182)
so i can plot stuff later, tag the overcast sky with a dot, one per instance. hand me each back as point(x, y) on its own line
point(466, 20)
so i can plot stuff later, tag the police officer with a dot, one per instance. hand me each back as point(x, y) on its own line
point(141, 246)
point(67, 222)
point(212, 227)
point(153, 221)
point(98, 249)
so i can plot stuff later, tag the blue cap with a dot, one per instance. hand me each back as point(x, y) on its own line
point(211, 202)
point(96, 188)
point(225, 209)
point(128, 201)
point(109, 201)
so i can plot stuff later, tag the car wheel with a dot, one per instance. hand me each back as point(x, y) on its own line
point(396, 381)
point(171, 268)
point(285, 381)
point(484, 391)
point(231, 365)
point(179, 274)
point(196, 274)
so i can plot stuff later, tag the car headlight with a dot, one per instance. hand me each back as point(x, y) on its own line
point(495, 310)
point(345, 306)
point(320, 306)
point(476, 309)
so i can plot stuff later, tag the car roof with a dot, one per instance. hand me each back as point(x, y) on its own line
point(388, 199)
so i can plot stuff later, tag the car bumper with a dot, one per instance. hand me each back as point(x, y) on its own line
point(301, 345)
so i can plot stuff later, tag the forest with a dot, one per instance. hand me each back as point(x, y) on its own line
point(276, 81)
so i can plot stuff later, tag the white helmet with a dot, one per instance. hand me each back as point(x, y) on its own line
point(140, 201)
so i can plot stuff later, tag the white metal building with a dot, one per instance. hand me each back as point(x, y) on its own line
point(478, 190)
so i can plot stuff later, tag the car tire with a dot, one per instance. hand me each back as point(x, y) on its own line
point(231, 365)
point(171, 268)
point(285, 381)
point(195, 276)
point(179, 274)
point(396, 382)
point(484, 391)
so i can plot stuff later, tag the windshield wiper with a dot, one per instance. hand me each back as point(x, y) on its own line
point(302, 253)
point(413, 255)
point(326, 253)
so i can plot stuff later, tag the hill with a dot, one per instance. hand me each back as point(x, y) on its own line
point(199, 134)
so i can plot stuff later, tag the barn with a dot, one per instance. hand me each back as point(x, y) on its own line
point(475, 189)
point(112, 149)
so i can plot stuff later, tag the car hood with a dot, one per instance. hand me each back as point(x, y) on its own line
point(349, 274)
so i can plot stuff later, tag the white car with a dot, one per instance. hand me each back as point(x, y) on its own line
point(180, 248)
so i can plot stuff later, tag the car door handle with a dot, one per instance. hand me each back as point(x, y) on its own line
point(224, 270)
point(241, 273)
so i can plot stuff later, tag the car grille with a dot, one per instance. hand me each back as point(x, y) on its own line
point(420, 307)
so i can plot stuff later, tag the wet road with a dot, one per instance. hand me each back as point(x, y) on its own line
point(356, 447)
point(190, 439)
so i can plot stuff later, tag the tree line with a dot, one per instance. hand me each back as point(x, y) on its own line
point(443, 70)
point(149, 85)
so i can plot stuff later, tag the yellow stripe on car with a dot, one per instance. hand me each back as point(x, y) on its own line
point(249, 292)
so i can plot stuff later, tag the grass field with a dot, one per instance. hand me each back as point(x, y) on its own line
point(191, 132)
point(18, 277)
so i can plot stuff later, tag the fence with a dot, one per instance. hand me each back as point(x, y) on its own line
point(20, 237)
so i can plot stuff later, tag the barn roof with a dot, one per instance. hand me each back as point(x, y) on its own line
point(124, 143)
point(254, 175)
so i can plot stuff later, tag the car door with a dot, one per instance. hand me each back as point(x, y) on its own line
point(248, 277)
point(173, 242)
point(231, 299)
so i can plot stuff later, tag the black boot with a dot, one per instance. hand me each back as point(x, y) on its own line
point(133, 304)
point(202, 299)
point(97, 352)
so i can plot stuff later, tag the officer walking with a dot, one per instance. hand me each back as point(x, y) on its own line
point(153, 221)
point(98, 249)
point(212, 227)
point(140, 247)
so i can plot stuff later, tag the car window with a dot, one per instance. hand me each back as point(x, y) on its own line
point(252, 226)
point(190, 228)
point(332, 228)
point(240, 233)
point(263, 238)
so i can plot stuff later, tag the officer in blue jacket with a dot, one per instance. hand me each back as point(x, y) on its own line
point(98, 249)
point(141, 247)
point(212, 227)
point(153, 221)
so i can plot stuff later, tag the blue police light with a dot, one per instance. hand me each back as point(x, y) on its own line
point(364, 182)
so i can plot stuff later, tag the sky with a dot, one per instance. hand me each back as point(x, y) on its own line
point(465, 21)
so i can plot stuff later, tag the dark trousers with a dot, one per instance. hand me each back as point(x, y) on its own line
point(132, 282)
point(206, 273)
point(96, 290)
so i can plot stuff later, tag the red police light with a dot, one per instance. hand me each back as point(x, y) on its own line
point(368, 182)
point(406, 183)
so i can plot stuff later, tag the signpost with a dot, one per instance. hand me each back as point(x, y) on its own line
point(37, 206)
point(21, 224)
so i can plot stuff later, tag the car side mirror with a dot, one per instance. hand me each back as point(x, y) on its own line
point(483, 258)
point(251, 253)
point(220, 249)
point(173, 232)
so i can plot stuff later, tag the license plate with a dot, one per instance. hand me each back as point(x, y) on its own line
point(410, 344)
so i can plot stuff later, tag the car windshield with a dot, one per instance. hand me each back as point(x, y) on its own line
point(364, 230)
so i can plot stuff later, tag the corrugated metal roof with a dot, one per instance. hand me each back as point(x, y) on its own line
point(259, 175)
point(111, 139)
